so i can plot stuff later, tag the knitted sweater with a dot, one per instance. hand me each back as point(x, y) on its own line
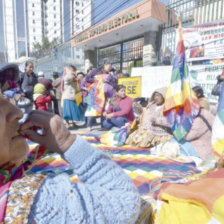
point(106, 194)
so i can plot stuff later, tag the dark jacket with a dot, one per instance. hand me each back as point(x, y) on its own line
point(27, 84)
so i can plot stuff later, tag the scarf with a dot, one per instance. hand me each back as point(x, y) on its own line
point(13, 171)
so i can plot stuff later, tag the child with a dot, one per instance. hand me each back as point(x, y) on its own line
point(40, 99)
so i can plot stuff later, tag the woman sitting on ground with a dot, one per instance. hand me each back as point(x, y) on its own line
point(105, 195)
point(153, 128)
point(121, 112)
point(200, 135)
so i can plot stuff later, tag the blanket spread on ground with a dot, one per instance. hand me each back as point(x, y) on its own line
point(147, 172)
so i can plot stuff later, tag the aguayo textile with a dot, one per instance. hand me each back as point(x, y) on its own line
point(10, 172)
point(202, 199)
point(147, 171)
point(96, 99)
point(181, 105)
point(218, 126)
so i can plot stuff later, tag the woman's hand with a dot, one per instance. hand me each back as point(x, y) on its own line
point(109, 116)
point(55, 137)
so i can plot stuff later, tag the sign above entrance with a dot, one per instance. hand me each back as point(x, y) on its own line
point(110, 25)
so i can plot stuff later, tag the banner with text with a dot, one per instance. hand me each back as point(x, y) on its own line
point(159, 76)
point(204, 43)
point(133, 86)
point(205, 76)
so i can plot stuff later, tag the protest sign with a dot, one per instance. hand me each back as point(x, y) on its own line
point(205, 76)
point(204, 42)
point(153, 77)
point(133, 86)
point(159, 76)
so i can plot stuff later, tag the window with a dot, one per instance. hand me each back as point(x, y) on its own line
point(33, 5)
point(82, 12)
point(34, 29)
point(55, 24)
point(77, 56)
point(54, 0)
point(77, 3)
point(112, 54)
point(55, 32)
point(33, 21)
point(33, 13)
point(55, 16)
point(77, 26)
point(77, 19)
point(77, 11)
point(54, 7)
point(34, 38)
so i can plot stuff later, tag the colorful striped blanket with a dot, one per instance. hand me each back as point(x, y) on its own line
point(148, 172)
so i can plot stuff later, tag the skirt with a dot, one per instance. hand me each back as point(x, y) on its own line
point(71, 111)
point(144, 139)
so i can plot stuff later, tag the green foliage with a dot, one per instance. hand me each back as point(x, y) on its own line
point(44, 48)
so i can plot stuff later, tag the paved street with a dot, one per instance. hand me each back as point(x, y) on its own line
point(96, 129)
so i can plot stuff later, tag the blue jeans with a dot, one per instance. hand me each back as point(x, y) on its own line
point(115, 121)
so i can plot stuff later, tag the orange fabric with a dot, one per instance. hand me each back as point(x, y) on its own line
point(205, 191)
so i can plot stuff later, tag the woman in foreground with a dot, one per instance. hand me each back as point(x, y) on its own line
point(106, 194)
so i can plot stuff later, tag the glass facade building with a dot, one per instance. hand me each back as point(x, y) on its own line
point(3, 53)
point(20, 28)
point(67, 19)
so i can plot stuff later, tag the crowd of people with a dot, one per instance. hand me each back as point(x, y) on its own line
point(67, 93)
point(78, 97)
point(105, 195)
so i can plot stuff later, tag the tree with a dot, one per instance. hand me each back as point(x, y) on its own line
point(44, 48)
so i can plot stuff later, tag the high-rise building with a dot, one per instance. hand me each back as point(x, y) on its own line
point(25, 22)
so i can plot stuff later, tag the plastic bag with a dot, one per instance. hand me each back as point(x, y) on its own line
point(217, 88)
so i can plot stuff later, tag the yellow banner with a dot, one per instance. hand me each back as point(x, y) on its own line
point(133, 86)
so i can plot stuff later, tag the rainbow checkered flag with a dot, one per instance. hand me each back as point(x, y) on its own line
point(181, 105)
point(218, 126)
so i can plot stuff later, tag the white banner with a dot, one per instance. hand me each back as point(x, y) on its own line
point(205, 76)
point(204, 43)
point(153, 77)
point(159, 76)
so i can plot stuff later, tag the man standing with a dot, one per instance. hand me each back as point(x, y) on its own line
point(57, 88)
